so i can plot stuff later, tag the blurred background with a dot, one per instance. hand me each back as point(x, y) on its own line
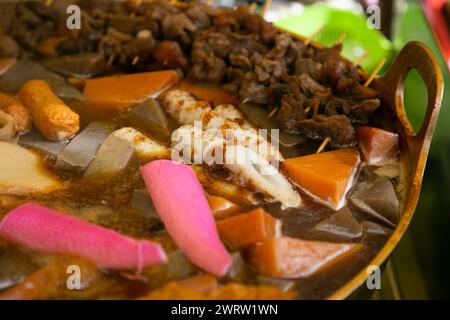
point(419, 267)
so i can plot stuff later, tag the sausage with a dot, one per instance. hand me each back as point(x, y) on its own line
point(17, 110)
point(7, 127)
point(54, 119)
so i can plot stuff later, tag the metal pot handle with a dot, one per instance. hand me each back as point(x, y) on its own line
point(415, 55)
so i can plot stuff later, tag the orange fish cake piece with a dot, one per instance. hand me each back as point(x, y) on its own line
point(213, 94)
point(294, 258)
point(248, 228)
point(378, 146)
point(221, 207)
point(326, 176)
point(119, 92)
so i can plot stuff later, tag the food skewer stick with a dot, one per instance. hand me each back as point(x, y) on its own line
point(361, 57)
point(272, 113)
point(265, 8)
point(307, 110)
point(323, 145)
point(314, 35)
point(135, 60)
point(315, 111)
point(111, 59)
point(340, 39)
point(179, 3)
point(375, 72)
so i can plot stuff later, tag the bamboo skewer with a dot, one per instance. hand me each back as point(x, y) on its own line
point(375, 72)
point(314, 35)
point(323, 145)
point(307, 110)
point(111, 59)
point(265, 8)
point(135, 60)
point(272, 113)
point(361, 57)
point(340, 39)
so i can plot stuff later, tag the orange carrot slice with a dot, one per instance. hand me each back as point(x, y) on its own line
point(326, 176)
point(121, 91)
point(294, 258)
point(213, 94)
point(221, 207)
point(378, 146)
point(248, 228)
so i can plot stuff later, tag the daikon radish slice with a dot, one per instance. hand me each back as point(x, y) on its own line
point(248, 228)
point(23, 172)
point(48, 230)
point(121, 91)
point(181, 203)
point(294, 258)
point(326, 176)
point(378, 146)
point(221, 207)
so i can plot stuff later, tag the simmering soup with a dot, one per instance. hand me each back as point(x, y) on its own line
point(179, 151)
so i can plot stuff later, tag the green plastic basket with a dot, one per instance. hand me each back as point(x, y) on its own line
point(335, 22)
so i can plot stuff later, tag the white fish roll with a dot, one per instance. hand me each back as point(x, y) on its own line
point(250, 167)
point(255, 170)
point(190, 144)
point(183, 107)
point(228, 111)
point(144, 147)
point(241, 133)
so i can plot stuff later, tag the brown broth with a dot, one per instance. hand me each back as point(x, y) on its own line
point(106, 203)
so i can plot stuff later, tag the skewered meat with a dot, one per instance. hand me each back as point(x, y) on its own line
point(230, 47)
point(338, 128)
